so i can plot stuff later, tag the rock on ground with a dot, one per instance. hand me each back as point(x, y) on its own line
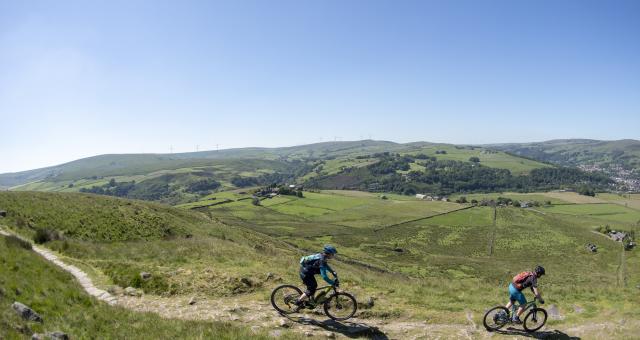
point(26, 312)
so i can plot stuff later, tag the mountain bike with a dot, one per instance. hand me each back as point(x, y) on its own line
point(497, 317)
point(337, 305)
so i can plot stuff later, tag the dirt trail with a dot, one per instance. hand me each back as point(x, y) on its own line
point(260, 316)
point(81, 276)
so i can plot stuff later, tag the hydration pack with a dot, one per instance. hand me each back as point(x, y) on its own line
point(520, 278)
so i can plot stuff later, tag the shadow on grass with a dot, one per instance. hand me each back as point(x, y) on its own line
point(552, 334)
point(346, 328)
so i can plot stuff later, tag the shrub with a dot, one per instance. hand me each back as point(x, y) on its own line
point(44, 235)
point(14, 241)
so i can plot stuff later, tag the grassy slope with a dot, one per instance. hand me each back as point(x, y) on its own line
point(443, 271)
point(451, 250)
point(54, 294)
point(579, 151)
point(488, 158)
point(92, 217)
point(238, 161)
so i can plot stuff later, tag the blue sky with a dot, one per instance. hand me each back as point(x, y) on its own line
point(91, 77)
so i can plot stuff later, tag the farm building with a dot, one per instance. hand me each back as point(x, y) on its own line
point(617, 236)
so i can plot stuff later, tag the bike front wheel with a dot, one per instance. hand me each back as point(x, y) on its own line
point(283, 298)
point(495, 318)
point(535, 319)
point(340, 306)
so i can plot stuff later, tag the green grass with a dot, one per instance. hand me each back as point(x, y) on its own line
point(488, 158)
point(92, 217)
point(63, 305)
point(446, 265)
point(539, 197)
point(604, 212)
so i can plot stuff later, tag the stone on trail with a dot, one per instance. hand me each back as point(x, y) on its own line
point(115, 290)
point(58, 336)
point(132, 291)
point(554, 313)
point(368, 303)
point(145, 275)
point(26, 312)
point(330, 335)
point(247, 281)
point(3, 213)
point(578, 309)
point(284, 323)
point(276, 333)
point(192, 301)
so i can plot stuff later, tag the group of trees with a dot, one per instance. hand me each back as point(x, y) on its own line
point(154, 189)
point(262, 180)
point(444, 177)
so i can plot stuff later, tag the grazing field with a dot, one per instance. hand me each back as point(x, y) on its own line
point(573, 197)
point(627, 200)
point(604, 212)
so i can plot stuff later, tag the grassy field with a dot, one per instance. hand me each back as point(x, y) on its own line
point(63, 305)
point(494, 159)
point(627, 200)
point(604, 212)
point(433, 261)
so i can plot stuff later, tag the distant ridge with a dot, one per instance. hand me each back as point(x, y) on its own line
point(554, 151)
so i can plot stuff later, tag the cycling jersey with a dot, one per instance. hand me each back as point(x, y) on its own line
point(316, 264)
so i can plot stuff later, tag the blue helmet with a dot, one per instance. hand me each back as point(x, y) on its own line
point(329, 249)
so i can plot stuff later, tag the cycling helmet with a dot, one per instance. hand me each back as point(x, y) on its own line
point(329, 249)
point(539, 270)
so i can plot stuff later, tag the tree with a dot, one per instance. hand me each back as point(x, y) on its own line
point(462, 199)
point(255, 201)
point(474, 159)
point(112, 182)
point(586, 190)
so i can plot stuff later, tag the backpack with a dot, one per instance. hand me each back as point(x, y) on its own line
point(520, 278)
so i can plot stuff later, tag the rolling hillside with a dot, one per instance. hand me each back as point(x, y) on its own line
point(574, 152)
point(181, 178)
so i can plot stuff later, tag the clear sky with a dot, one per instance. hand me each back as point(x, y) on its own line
point(91, 77)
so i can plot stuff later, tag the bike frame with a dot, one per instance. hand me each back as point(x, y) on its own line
point(324, 298)
point(526, 306)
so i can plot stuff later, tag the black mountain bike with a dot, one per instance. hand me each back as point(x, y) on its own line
point(337, 305)
point(497, 317)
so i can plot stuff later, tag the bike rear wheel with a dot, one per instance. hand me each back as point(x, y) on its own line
point(495, 318)
point(535, 319)
point(283, 298)
point(340, 306)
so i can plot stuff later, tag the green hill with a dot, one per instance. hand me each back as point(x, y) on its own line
point(186, 177)
point(573, 152)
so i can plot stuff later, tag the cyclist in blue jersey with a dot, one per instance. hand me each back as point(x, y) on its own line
point(312, 265)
